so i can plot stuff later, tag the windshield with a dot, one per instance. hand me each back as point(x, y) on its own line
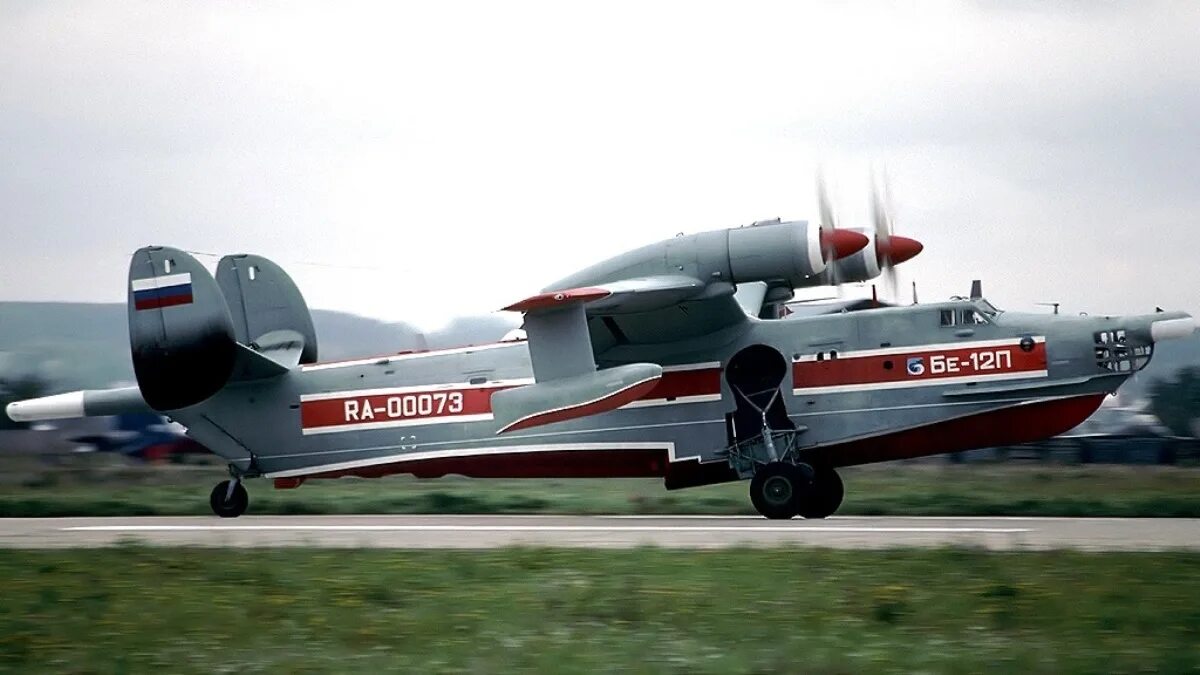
point(986, 307)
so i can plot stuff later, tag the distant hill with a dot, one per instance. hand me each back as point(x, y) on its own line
point(81, 345)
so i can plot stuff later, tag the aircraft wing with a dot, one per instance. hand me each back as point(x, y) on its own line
point(645, 311)
point(570, 330)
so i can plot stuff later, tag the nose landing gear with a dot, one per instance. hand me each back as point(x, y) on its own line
point(781, 490)
point(229, 499)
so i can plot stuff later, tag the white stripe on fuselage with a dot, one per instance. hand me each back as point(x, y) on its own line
point(922, 382)
point(391, 424)
point(416, 388)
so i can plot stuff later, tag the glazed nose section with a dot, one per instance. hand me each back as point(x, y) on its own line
point(1173, 328)
point(842, 243)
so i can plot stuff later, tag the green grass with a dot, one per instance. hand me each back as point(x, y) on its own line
point(133, 609)
point(876, 490)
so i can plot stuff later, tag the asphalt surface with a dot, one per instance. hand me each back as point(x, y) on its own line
point(476, 532)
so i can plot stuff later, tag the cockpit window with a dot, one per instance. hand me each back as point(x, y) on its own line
point(973, 318)
point(960, 317)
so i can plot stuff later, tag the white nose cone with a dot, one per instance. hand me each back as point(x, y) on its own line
point(59, 406)
point(1169, 329)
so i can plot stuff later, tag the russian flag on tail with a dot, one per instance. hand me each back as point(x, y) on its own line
point(164, 291)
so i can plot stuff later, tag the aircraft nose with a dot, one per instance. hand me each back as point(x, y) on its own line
point(842, 242)
point(898, 249)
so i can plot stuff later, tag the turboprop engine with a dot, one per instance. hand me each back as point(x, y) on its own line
point(792, 253)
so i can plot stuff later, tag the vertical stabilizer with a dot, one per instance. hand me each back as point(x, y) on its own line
point(180, 332)
point(263, 299)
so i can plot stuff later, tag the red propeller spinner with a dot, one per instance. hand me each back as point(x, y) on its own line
point(894, 249)
point(842, 243)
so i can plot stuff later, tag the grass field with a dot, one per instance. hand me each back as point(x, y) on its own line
point(889, 489)
point(133, 609)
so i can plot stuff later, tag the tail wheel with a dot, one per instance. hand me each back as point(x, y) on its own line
point(775, 489)
point(825, 496)
point(226, 503)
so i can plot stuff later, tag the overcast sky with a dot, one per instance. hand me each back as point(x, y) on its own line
point(443, 158)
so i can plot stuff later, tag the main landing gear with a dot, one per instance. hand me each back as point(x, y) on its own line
point(229, 499)
point(781, 490)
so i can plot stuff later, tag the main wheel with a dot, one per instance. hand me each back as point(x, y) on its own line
point(232, 507)
point(825, 496)
point(775, 488)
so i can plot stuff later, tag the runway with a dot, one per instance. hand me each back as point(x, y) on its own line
point(482, 532)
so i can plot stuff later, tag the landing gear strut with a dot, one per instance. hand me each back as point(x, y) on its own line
point(781, 490)
point(229, 499)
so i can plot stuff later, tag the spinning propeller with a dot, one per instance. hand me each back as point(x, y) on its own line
point(835, 244)
point(890, 249)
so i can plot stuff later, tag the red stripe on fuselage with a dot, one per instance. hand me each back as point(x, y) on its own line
point(349, 409)
point(646, 463)
point(610, 402)
point(683, 383)
point(937, 364)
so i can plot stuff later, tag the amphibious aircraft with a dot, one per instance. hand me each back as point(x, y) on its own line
point(673, 360)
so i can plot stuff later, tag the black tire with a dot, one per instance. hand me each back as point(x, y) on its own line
point(774, 490)
point(235, 506)
point(825, 496)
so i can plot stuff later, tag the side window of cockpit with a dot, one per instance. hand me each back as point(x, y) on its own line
point(972, 318)
point(946, 317)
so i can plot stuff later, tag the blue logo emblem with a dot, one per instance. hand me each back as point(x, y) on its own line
point(916, 366)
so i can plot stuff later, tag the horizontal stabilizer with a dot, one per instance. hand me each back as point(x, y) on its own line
point(87, 403)
point(252, 365)
point(272, 355)
point(573, 397)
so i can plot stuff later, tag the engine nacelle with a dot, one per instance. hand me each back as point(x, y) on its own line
point(778, 252)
